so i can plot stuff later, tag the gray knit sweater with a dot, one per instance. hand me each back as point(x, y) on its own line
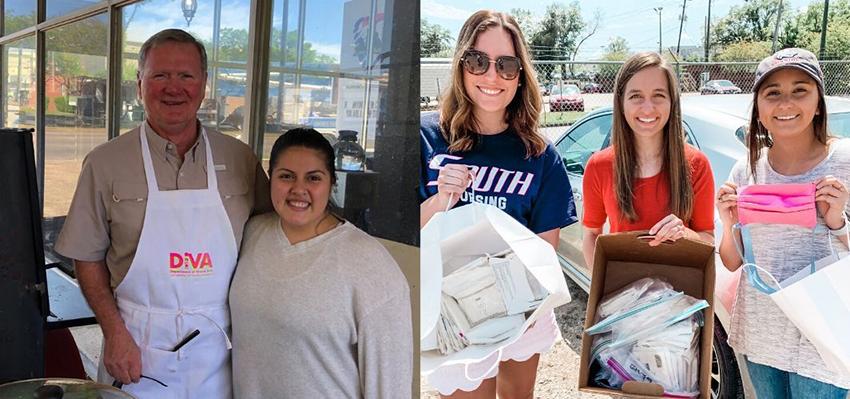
point(325, 318)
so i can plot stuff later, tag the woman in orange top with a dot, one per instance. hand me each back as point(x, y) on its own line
point(649, 179)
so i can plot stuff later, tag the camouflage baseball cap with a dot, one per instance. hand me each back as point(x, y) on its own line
point(796, 58)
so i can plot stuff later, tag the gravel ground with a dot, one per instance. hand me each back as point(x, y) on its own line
point(557, 374)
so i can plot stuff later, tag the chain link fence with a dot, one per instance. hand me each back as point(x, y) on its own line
point(572, 88)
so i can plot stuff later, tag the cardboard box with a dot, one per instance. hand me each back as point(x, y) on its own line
point(622, 258)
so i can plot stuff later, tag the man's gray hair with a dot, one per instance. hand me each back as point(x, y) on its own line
point(171, 35)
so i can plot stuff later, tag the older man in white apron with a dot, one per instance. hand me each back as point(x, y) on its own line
point(170, 200)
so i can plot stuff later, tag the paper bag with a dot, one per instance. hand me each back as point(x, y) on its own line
point(455, 238)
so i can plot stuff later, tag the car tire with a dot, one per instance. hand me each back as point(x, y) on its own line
point(725, 375)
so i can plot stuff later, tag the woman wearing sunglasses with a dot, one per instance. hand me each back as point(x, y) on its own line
point(649, 178)
point(789, 143)
point(485, 143)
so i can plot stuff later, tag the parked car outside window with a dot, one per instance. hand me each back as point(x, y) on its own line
point(565, 97)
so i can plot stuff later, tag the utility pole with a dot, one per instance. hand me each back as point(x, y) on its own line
point(681, 24)
point(658, 10)
point(776, 28)
point(708, 31)
point(823, 30)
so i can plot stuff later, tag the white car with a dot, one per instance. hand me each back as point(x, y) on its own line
point(717, 126)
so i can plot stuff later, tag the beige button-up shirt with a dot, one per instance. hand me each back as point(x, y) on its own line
point(108, 208)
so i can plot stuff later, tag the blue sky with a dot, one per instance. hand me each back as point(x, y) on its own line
point(633, 20)
point(324, 18)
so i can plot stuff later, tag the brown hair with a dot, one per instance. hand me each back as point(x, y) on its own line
point(457, 120)
point(761, 138)
point(673, 148)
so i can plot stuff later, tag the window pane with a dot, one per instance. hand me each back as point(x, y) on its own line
point(58, 8)
point(323, 27)
point(312, 104)
point(142, 20)
point(231, 86)
point(329, 70)
point(19, 14)
point(19, 80)
point(377, 88)
point(282, 109)
point(75, 94)
point(284, 19)
point(361, 29)
point(381, 40)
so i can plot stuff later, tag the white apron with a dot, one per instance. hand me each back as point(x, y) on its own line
point(178, 282)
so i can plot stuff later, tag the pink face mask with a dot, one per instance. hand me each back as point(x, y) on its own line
point(778, 204)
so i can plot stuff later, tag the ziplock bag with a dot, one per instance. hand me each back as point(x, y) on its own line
point(653, 338)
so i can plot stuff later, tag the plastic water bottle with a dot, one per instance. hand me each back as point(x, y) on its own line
point(350, 156)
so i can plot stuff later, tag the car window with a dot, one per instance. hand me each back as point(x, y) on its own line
point(839, 124)
point(582, 141)
point(689, 135)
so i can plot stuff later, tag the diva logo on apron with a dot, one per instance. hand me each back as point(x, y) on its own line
point(178, 282)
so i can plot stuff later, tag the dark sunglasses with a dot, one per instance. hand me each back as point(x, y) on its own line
point(477, 63)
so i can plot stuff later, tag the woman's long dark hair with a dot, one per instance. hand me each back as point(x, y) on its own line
point(675, 165)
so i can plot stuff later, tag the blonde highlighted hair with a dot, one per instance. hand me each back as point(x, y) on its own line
point(681, 199)
point(457, 120)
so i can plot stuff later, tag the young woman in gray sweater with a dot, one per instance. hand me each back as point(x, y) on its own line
point(319, 308)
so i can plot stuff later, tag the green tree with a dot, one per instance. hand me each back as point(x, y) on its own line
point(233, 45)
point(527, 21)
point(77, 50)
point(14, 23)
point(86, 37)
point(559, 33)
point(742, 74)
point(744, 51)
point(808, 24)
point(616, 50)
point(435, 40)
point(752, 21)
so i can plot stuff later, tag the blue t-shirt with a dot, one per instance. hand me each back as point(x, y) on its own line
point(535, 190)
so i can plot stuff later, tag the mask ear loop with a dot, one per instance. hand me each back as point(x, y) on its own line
point(745, 250)
point(471, 186)
point(832, 253)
